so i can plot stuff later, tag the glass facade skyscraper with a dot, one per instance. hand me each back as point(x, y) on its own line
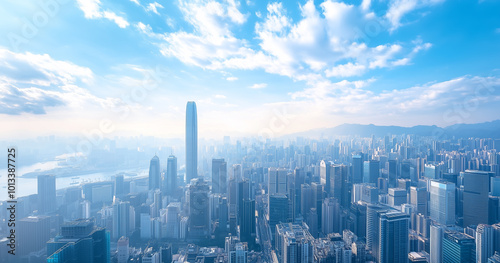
point(154, 173)
point(442, 202)
point(191, 141)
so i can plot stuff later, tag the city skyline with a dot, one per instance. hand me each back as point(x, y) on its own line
point(246, 131)
point(308, 64)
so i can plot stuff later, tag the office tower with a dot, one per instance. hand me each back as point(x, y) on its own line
point(436, 244)
point(373, 213)
point(404, 183)
point(154, 208)
point(32, 234)
point(173, 220)
point(318, 201)
point(122, 225)
point(81, 242)
point(154, 173)
point(418, 198)
point(119, 185)
point(357, 169)
point(146, 228)
point(421, 224)
point(495, 186)
point(247, 225)
point(364, 192)
point(330, 222)
point(458, 248)
point(219, 176)
point(191, 141)
point(393, 238)
point(432, 171)
point(484, 243)
point(371, 171)
point(307, 199)
point(166, 254)
point(324, 174)
point(122, 253)
point(223, 214)
point(338, 180)
point(278, 210)
point(475, 197)
point(312, 222)
point(102, 193)
point(299, 179)
point(292, 195)
point(199, 216)
point(442, 202)
point(293, 244)
point(232, 205)
point(397, 197)
point(239, 254)
point(393, 173)
point(383, 184)
point(405, 169)
point(277, 181)
point(46, 193)
point(242, 193)
point(170, 180)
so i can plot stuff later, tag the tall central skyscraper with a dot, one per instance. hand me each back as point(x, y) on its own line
point(191, 141)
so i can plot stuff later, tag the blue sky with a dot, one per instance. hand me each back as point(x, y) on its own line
point(253, 67)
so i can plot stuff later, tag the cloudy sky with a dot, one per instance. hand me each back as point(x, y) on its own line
point(253, 67)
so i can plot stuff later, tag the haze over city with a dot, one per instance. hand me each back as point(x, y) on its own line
point(71, 64)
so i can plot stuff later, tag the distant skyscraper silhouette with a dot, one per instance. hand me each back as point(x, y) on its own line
point(219, 176)
point(46, 193)
point(191, 141)
point(154, 173)
point(357, 169)
point(170, 180)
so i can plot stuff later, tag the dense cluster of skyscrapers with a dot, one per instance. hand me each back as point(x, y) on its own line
point(396, 198)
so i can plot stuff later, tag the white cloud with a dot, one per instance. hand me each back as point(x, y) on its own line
point(153, 7)
point(42, 70)
point(231, 78)
point(399, 8)
point(31, 83)
point(219, 96)
point(258, 86)
point(92, 10)
point(311, 48)
point(443, 103)
point(136, 2)
point(346, 70)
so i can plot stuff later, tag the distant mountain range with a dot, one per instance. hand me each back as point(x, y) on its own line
point(478, 130)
